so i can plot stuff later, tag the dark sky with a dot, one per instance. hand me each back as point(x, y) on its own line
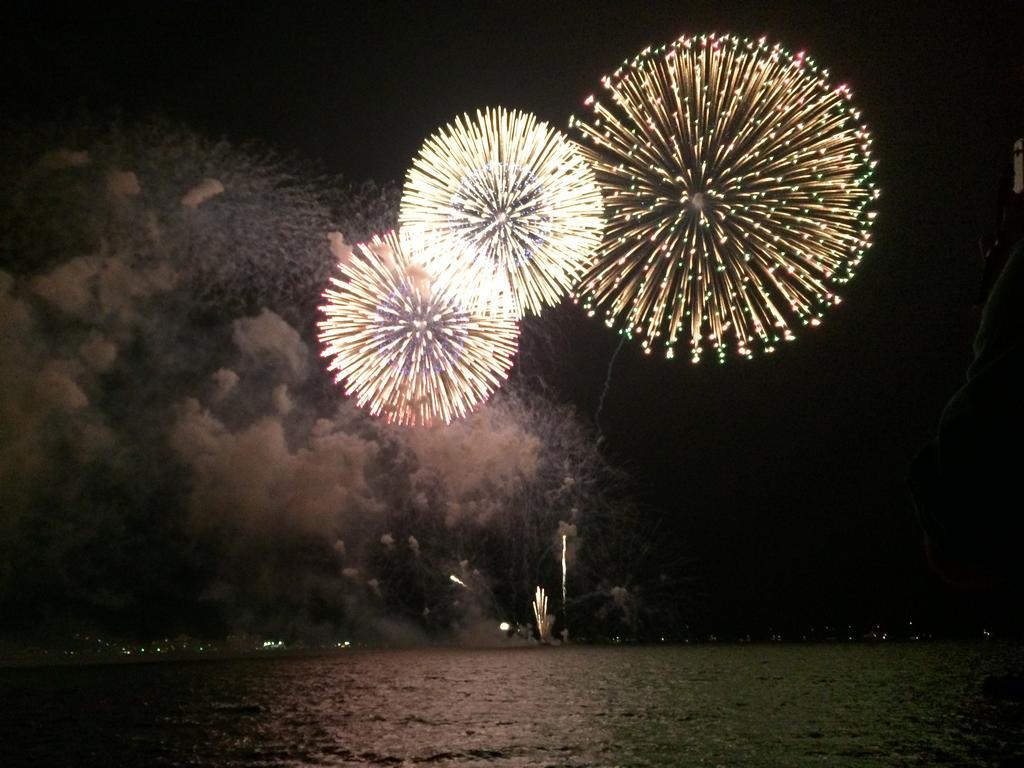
point(785, 475)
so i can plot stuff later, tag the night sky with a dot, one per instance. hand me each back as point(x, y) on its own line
point(783, 476)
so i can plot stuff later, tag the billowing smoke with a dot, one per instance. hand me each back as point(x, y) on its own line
point(173, 458)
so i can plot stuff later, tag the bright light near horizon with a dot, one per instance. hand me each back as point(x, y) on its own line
point(504, 626)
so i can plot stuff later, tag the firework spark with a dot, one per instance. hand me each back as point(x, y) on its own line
point(404, 344)
point(540, 613)
point(737, 185)
point(455, 579)
point(505, 195)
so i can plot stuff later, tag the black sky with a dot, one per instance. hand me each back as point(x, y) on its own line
point(785, 475)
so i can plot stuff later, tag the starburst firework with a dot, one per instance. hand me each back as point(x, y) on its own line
point(737, 186)
point(504, 195)
point(406, 345)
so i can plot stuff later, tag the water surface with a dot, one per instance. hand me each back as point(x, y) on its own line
point(885, 704)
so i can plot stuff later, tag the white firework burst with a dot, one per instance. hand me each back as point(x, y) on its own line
point(504, 196)
point(738, 185)
point(406, 345)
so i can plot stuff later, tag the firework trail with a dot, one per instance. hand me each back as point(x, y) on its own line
point(505, 195)
point(563, 575)
point(406, 345)
point(540, 613)
point(607, 386)
point(737, 185)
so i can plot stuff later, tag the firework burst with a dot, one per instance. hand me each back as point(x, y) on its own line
point(505, 195)
point(738, 188)
point(404, 344)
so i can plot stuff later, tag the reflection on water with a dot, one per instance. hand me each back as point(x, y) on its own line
point(798, 705)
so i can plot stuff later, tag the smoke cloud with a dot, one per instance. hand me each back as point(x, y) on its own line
point(174, 458)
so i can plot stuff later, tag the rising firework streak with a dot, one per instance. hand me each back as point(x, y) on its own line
point(540, 613)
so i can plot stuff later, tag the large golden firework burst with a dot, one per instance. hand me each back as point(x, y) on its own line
point(404, 344)
point(738, 190)
point(504, 195)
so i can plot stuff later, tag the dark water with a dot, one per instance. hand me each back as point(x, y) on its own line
point(796, 705)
